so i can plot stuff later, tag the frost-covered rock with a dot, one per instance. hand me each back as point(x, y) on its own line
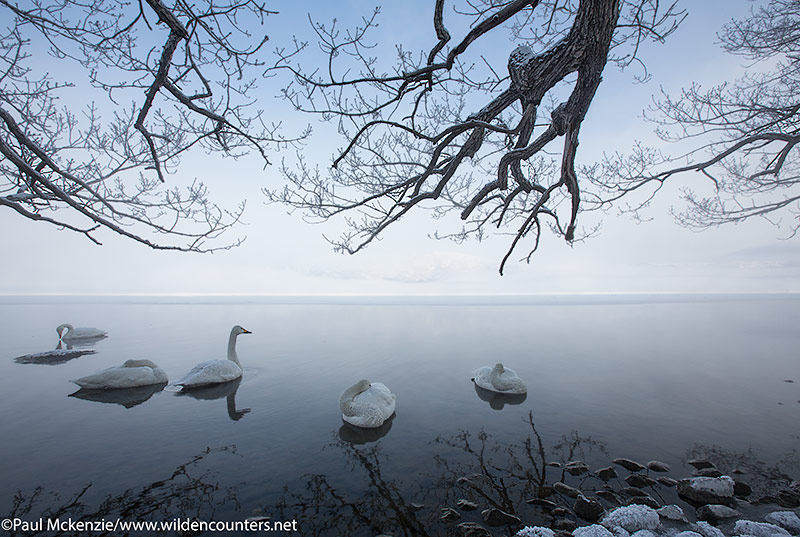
point(631, 518)
point(705, 490)
point(595, 530)
point(538, 531)
point(643, 533)
point(707, 530)
point(687, 533)
point(788, 520)
point(620, 532)
point(758, 529)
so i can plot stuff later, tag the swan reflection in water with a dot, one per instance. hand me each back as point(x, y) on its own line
point(56, 356)
point(218, 391)
point(127, 397)
point(360, 435)
point(498, 400)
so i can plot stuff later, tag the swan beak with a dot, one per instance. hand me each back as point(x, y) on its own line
point(246, 331)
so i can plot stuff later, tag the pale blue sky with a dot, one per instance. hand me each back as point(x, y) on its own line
point(282, 254)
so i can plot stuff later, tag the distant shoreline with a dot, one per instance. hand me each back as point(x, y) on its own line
point(554, 299)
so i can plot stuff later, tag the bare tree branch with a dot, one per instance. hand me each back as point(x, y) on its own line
point(410, 141)
point(106, 165)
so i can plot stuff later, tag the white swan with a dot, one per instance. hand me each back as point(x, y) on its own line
point(499, 379)
point(131, 374)
point(216, 371)
point(75, 334)
point(367, 405)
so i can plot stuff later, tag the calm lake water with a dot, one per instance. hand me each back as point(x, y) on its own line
point(666, 378)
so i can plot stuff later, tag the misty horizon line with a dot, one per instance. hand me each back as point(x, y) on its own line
point(554, 298)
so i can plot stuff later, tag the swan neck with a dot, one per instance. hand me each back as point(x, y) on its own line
point(232, 356)
point(346, 399)
point(495, 374)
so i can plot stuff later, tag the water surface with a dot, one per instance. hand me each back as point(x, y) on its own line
point(646, 378)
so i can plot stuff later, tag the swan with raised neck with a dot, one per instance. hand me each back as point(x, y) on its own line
point(216, 371)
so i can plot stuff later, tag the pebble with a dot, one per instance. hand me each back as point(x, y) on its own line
point(672, 512)
point(706, 472)
point(741, 489)
point(714, 513)
point(565, 489)
point(606, 473)
point(589, 509)
point(700, 463)
point(658, 466)
point(576, 467)
point(640, 480)
point(448, 514)
point(473, 529)
point(667, 481)
point(633, 491)
point(629, 465)
point(541, 502)
point(608, 495)
point(466, 505)
point(495, 517)
point(565, 524)
point(649, 501)
point(788, 498)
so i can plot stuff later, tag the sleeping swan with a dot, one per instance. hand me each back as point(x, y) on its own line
point(76, 334)
point(131, 374)
point(216, 371)
point(499, 379)
point(367, 405)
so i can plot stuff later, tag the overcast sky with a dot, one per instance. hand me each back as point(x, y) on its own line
point(284, 255)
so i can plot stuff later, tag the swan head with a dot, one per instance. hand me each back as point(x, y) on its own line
point(362, 385)
point(61, 328)
point(236, 330)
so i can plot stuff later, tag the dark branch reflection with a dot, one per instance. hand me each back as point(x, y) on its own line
point(190, 492)
point(470, 467)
